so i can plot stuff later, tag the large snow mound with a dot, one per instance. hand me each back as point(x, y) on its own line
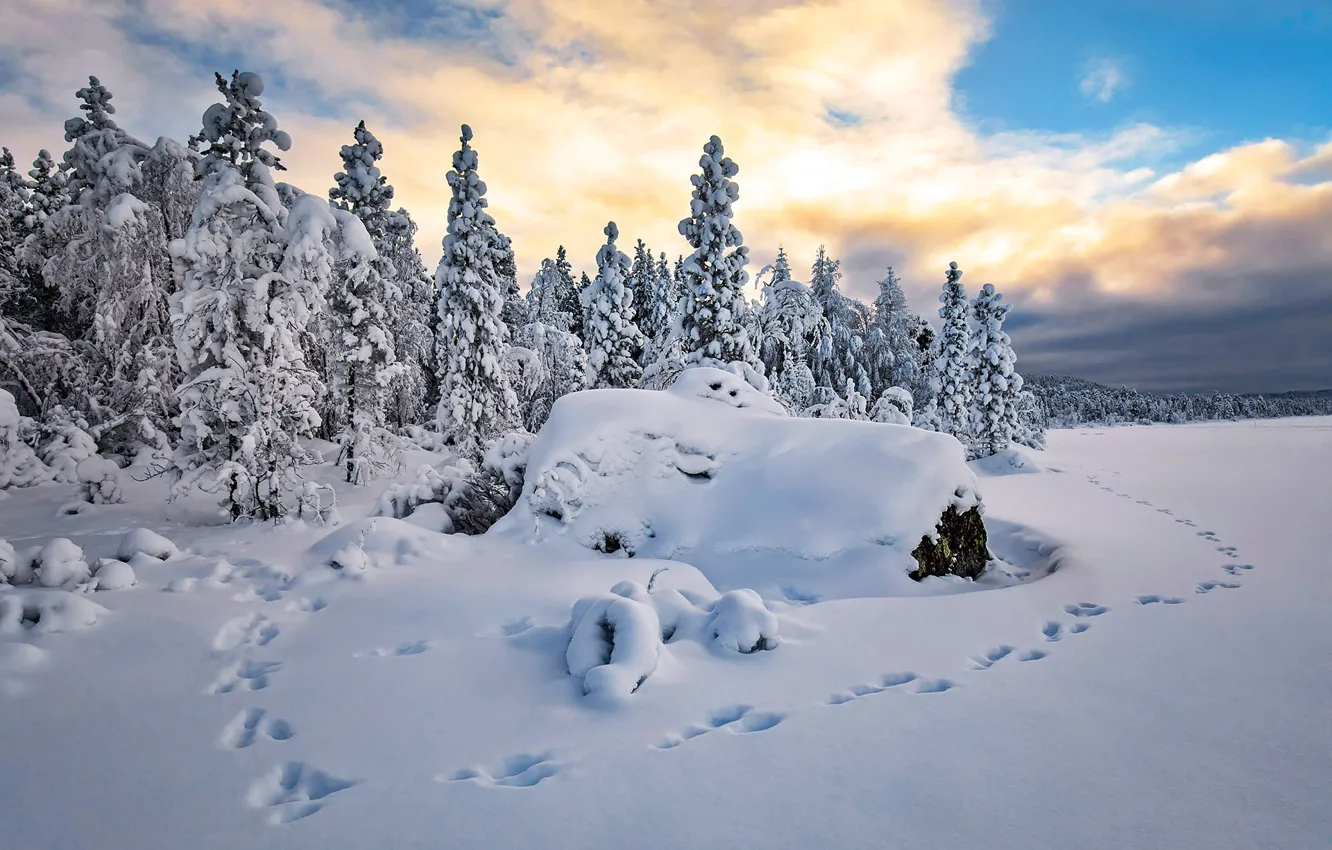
point(712, 472)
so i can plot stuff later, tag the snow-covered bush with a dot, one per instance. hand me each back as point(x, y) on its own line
point(893, 407)
point(99, 479)
point(47, 613)
point(615, 643)
point(61, 564)
point(69, 444)
point(317, 504)
point(19, 464)
point(8, 561)
point(741, 623)
point(144, 541)
point(473, 498)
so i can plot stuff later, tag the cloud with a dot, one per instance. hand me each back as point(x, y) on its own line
point(1102, 79)
point(840, 114)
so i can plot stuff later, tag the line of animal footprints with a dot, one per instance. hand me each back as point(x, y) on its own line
point(739, 719)
point(992, 656)
point(246, 675)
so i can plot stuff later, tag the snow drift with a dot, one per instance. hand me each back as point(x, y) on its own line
point(713, 472)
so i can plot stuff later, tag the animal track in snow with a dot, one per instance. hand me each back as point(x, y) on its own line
point(308, 605)
point(1052, 630)
point(415, 647)
point(243, 675)
point(1187, 522)
point(719, 719)
point(294, 790)
point(1228, 551)
point(1150, 598)
point(1209, 536)
point(1165, 511)
point(1209, 586)
point(245, 727)
point(1031, 655)
point(1078, 628)
point(1085, 609)
point(889, 680)
point(933, 686)
point(987, 659)
point(521, 771)
point(253, 629)
point(1236, 569)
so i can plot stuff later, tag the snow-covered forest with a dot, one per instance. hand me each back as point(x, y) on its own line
point(177, 299)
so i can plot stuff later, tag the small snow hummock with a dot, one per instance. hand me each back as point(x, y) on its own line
point(615, 644)
point(100, 480)
point(1015, 460)
point(114, 575)
point(61, 564)
point(9, 562)
point(47, 613)
point(149, 543)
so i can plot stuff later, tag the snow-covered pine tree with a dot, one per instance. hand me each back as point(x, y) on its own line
point(48, 192)
point(361, 355)
point(890, 344)
point(569, 300)
point(249, 275)
point(613, 340)
point(712, 316)
point(362, 189)
point(1031, 421)
point(12, 199)
point(169, 184)
point(476, 402)
point(840, 357)
point(514, 313)
point(547, 363)
point(781, 267)
point(643, 290)
point(414, 394)
point(952, 364)
point(792, 328)
point(994, 403)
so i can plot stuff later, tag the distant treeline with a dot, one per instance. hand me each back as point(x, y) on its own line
point(1067, 402)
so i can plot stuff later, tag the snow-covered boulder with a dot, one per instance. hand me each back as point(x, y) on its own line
point(61, 564)
point(114, 575)
point(150, 543)
point(1015, 460)
point(615, 643)
point(711, 471)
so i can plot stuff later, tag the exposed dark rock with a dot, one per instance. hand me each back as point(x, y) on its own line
point(960, 550)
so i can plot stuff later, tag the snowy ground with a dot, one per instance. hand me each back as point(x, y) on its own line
point(1168, 686)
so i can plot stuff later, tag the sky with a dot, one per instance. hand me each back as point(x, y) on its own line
point(1150, 184)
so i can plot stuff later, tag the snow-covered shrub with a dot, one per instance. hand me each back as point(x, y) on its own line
point(615, 643)
point(100, 480)
point(112, 574)
point(150, 543)
point(19, 464)
point(69, 444)
point(741, 623)
point(8, 561)
point(473, 499)
point(893, 407)
point(318, 504)
point(61, 564)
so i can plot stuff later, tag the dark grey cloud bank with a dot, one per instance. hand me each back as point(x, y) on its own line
point(1241, 331)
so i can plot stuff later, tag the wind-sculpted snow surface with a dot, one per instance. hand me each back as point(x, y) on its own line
point(712, 472)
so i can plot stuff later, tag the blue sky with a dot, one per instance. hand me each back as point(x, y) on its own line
point(1230, 71)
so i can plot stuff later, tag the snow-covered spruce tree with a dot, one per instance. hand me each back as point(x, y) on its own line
point(1031, 421)
point(994, 403)
point(249, 279)
point(48, 192)
point(361, 354)
point(642, 286)
point(840, 356)
point(514, 313)
point(476, 401)
point(106, 256)
point(546, 363)
point(952, 364)
point(890, 344)
point(12, 198)
point(792, 328)
point(169, 184)
point(414, 393)
point(711, 317)
point(781, 267)
point(613, 340)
